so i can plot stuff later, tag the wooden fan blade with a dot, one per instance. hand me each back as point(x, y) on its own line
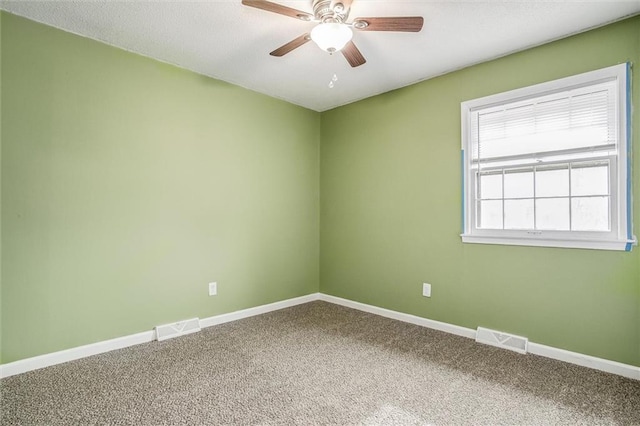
point(411, 24)
point(278, 8)
point(293, 44)
point(353, 55)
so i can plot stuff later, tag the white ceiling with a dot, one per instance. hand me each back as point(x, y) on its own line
point(231, 42)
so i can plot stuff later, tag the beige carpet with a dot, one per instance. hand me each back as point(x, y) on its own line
point(317, 363)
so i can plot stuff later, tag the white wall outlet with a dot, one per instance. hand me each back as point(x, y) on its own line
point(213, 289)
point(426, 290)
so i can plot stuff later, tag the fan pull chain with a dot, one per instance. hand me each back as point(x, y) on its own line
point(333, 81)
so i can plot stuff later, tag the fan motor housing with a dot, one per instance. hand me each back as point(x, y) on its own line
point(323, 11)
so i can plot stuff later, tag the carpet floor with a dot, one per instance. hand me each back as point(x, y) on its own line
point(317, 363)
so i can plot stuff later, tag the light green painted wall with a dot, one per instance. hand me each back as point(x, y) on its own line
point(636, 181)
point(128, 185)
point(0, 190)
point(391, 213)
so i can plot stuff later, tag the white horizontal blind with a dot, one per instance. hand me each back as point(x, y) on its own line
point(530, 153)
point(563, 124)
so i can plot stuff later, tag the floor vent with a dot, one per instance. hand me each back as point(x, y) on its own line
point(502, 340)
point(167, 331)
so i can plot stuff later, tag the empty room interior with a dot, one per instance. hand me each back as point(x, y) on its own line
point(433, 227)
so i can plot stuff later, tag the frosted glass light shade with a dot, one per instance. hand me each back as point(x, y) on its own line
point(331, 36)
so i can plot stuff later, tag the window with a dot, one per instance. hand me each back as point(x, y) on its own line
point(548, 165)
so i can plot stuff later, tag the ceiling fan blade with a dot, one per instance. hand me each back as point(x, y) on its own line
point(411, 24)
point(278, 8)
point(353, 55)
point(293, 44)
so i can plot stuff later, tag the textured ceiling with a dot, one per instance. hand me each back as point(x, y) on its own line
point(231, 42)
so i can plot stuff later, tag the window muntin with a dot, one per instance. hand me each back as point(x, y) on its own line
point(547, 165)
point(559, 197)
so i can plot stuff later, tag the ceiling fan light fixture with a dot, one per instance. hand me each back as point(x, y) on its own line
point(331, 36)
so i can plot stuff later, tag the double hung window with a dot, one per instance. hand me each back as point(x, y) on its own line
point(548, 165)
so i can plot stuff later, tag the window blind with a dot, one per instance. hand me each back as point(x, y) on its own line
point(568, 124)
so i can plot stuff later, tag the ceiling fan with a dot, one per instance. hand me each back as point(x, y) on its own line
point(333, 33)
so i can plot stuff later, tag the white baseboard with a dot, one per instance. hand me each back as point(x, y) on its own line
point(46, 360)
point(29, 364)
point(424, 322)
point(601, 364)
point(258, 310)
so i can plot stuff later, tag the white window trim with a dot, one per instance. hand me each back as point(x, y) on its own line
point(623, 238)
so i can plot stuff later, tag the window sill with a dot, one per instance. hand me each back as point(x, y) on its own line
point(619, 245)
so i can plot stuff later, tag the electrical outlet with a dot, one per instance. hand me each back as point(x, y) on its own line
point(213, 289)
point(426, 290)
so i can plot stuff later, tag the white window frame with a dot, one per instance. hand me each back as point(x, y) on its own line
point(620, 237)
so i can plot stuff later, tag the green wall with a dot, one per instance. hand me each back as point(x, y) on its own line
point(391, 213)
point(0, 189)
point(128, 185)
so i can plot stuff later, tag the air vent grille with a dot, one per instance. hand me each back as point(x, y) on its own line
point(168, 331)
point(502, 340)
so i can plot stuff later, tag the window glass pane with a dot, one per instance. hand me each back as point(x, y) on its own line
point(518, 214)
point(518, 184)
point(552, 214)
point(490, 214)
point(590, 214)
point(552, 183)
point(590, 180)
point(491, 186)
